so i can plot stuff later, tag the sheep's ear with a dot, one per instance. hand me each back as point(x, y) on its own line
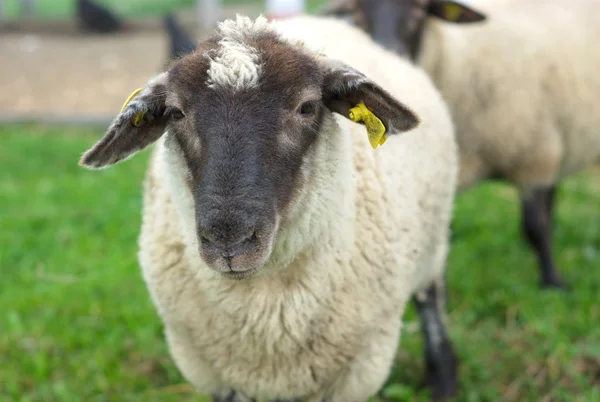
point(452, 11)
point(345, 88)
point(142, 121)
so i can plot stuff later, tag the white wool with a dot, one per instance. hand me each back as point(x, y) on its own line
point(242, 27)
point(323, 317)
point(236, 64)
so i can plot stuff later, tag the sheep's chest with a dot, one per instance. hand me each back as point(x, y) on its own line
point(265, 340)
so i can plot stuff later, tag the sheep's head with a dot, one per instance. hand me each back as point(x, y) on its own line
point(398, 24)
point(243, 113)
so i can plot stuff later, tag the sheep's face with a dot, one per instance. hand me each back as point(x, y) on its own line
point(243, 113)
point(398, 24)
point(244, 131)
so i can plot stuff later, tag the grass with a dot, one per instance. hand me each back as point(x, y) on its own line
point(131, 8)
point(76, 322)
point(57, 9)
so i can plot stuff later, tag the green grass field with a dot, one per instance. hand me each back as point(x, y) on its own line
point(76, 322)
point(60, 9)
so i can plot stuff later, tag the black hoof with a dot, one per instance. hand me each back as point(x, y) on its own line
point(442, 373)
point(555, 284)
point(230, 396)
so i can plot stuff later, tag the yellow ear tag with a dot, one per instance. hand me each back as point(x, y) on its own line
point(452, 11)
point(375, 128)
point(137, 119)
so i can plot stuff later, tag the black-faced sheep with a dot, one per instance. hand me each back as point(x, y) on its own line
point(280, 250)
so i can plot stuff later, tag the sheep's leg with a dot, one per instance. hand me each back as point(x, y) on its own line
point(440, 359)
point(231, 396)
point(537, 225)
point(549, 202)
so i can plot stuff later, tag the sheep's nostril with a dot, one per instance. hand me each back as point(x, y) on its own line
point(229, 249)
point(234, 249)
point(204, 240)
point(230, 254)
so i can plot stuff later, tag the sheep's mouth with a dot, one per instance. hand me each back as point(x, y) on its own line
point(240, 275)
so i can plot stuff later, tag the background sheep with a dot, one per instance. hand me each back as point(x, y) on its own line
point(258, 180)
point(522, 88)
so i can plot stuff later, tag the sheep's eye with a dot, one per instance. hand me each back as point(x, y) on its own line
point(307, 108)
point(177, 114)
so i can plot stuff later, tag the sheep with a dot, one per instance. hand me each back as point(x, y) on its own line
point(279, 250)
point(521, 87)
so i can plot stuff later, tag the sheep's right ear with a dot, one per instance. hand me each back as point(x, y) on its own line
point(141, 122)
point(345, 88)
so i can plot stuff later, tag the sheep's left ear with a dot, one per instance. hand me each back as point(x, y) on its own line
point(142, 121)
point(453, 11)
point(345, 88)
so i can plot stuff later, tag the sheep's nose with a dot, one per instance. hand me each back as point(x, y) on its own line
point(227, 238)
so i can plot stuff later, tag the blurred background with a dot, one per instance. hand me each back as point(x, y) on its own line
point(76, 322)
point(79, 58)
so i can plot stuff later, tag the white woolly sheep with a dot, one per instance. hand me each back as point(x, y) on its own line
point(522, 89)
point(279, 249)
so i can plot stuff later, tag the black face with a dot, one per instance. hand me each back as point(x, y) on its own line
point(395, 24)
point(244, 149)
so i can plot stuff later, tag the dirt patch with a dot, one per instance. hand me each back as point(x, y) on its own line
point(70, 75)
point(52, 69)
